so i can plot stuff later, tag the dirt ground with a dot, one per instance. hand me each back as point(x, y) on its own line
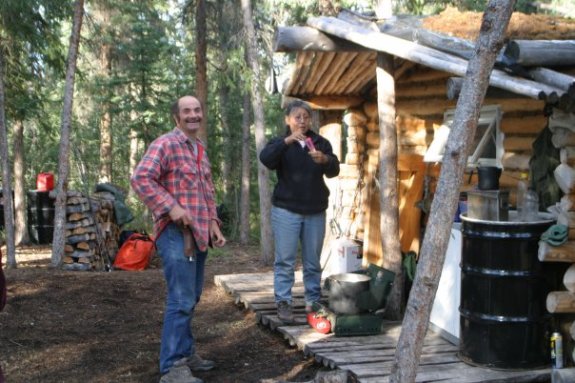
point(74, 326)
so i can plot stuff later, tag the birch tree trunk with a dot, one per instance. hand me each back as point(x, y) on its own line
point(266, 235)
point(416, 320)
point(64, 150)
point(201, 67)
point(6, 176)
point(21, 236)
point(245, 191)
point(388, 197)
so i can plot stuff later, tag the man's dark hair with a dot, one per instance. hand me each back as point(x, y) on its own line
point(175, 109)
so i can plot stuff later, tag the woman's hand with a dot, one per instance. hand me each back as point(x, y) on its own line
point(318, 157)
point(295, 136)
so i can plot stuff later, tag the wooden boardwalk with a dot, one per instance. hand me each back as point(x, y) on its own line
point(368, 358)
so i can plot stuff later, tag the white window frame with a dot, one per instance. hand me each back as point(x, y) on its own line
point(489, 121)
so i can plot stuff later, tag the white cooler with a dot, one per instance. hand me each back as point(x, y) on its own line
point(345, 256)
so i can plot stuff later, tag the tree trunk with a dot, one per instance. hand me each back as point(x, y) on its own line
point(21, 236)
point(228, 145)
point(201, 66)
point(416, 320)
point(388, 198)
point(106, 145)
point(64, 150)
point(105, 174)
point(6, 176)
point(228, 180)
point(245, 191)
point(266, 234)
point(133, 160)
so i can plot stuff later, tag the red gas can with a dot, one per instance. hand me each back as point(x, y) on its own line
point(320, 323)
point(45, 182)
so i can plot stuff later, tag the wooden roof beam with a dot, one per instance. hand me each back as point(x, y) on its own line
point(429, 57)
point(541, 52)
point(295, 39)
point(328, 102)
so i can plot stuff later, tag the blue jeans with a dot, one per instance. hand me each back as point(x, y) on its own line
point(185, 281)
point(290, 229)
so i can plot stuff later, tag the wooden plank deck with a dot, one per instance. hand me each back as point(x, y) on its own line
point(368, 358)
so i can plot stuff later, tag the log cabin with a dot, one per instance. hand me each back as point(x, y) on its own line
point(334, 70)
point(530, 104)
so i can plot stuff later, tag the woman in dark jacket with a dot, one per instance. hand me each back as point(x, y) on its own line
point(300, 158)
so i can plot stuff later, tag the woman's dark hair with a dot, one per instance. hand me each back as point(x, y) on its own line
point(293, 105)
point(298, 104)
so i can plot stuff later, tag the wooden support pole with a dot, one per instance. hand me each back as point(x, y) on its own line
point(560, 302)
point(563, 253)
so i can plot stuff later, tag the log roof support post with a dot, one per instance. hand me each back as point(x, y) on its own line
point(388, 196)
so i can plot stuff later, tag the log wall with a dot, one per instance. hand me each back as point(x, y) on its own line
point(419, 114)
point(421, 102)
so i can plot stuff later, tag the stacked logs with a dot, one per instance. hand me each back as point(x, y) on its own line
point(562, 303)
point(80, 233)
point(351, 183)
point(562, 125)
point(91, 232)
point(108, 230)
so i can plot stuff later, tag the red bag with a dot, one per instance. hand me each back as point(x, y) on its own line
point(135, 253)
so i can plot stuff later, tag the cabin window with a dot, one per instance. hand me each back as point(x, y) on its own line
point(486, 146)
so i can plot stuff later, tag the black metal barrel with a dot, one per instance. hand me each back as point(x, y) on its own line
point(503, 320)
point(41, 209)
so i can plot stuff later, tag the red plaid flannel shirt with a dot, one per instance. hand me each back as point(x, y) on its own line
point(169, 174)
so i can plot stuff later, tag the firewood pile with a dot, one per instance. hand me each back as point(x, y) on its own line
point(562, 126)
point(562, 303)
point(91, 231)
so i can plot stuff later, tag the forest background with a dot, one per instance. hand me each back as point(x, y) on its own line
point(135, 59)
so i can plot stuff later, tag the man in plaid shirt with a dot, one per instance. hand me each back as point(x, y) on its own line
point(174, 180)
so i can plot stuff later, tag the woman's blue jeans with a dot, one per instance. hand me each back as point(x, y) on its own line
point(290, 230)
point(185, 281)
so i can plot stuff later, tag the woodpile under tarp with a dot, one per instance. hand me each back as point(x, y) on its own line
point(91, 231)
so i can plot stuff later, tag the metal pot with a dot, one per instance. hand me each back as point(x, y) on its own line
point(488, 177)
point(343, 290)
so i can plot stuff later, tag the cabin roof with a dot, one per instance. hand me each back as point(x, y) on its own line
point(335, 65)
